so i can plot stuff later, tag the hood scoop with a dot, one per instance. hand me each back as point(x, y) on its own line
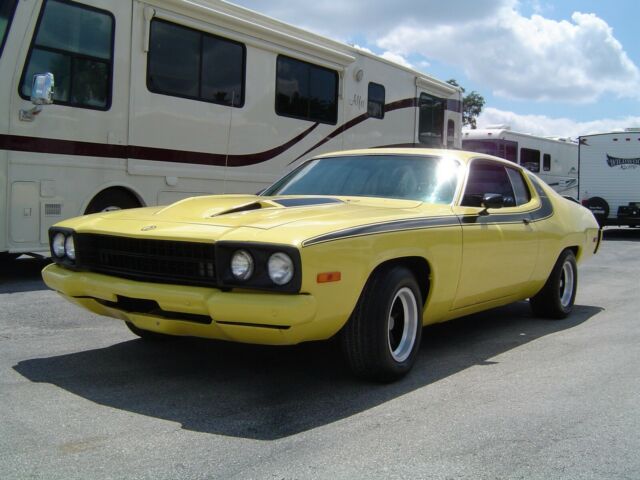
point(278, 202)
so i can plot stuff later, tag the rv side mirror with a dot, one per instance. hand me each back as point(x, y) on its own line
point(42, 89)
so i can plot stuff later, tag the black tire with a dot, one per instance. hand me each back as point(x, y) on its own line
point(554, 300)
point(148, 335)
point(389, 305)
point(600, 209)
point(112, 199)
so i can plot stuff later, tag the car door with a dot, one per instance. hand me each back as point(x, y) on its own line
point(500, 245)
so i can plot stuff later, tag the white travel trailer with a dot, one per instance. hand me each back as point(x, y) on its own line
point(555, 160)
point(115, 104)
point(609, 183)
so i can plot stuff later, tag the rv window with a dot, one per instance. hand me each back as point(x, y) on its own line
point(375, 101)
point(184, 62)
point(546, 162)
point(530, 159)
point(431, 122)
point(7, 9)
point(75, 43)
point(306, 91)
point(519, 187)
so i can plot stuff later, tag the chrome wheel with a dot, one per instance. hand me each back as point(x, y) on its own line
point(402, 324)
point(566, 284)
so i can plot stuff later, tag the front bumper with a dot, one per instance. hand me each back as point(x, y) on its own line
point(241, 316)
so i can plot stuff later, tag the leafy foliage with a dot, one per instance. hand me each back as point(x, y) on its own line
point(471, 105)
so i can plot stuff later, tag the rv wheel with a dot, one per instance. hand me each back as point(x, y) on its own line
point(112, 199)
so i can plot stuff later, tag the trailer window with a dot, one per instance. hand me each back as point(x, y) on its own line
point(187, 63)
point(546, 162)
point(530, 159)
point(375, 101)
point(431, 121)
point(75, 43)
point(306, 91)
point(7, 9)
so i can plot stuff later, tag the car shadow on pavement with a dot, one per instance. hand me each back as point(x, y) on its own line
point(268, 393)
point(22, 275)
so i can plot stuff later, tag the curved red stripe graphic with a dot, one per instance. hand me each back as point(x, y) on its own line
point(70, 147)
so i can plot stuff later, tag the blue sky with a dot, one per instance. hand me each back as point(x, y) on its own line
point(550, 67)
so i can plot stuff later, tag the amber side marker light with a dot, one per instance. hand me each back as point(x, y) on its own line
point(329, 277)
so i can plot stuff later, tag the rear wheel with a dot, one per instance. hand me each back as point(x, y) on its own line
point(112, 199)
point(382, 338)
point(556, 298)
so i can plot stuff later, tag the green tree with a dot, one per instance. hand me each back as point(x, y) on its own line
point(471, 105)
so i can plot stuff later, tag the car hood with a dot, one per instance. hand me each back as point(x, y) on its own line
point(253, 218)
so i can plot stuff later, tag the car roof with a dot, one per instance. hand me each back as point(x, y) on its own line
point(461, 155)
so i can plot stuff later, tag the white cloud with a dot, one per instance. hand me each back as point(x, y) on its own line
point(553, 127)
point(397, 58)
point(528, 58)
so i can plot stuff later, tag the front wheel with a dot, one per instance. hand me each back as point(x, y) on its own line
point(382, 338)
point(556, 298)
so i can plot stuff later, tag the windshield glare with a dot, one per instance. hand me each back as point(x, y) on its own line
point(411, 177)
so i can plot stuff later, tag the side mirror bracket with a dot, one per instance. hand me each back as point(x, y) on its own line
point(491, 200)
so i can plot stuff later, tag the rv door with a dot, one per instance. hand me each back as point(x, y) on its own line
point(85, 46)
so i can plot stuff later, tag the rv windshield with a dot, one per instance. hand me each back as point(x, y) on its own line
point(412, 177)
point(6, 15)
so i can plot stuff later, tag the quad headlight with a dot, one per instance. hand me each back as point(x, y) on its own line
point(63, 245)
point(280, 268)
point(58, 243)
point(242, 265)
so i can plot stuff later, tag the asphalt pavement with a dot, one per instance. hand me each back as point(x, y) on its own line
point(499, 395)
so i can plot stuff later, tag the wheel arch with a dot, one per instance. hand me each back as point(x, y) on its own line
point(116, 187)
point(420, 268)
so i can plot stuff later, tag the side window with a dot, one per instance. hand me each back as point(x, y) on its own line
point(546, 162)
point(522, 194)
point(306, 91)
point(431, 120)
point(487, 177)
point(530, 159)
point(7, 9)
point(187, 63)
point(75, 43)
point(375, 101)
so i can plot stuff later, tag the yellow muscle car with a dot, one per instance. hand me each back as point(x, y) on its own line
point(368, 245)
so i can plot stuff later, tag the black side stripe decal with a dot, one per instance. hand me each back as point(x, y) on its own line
point(545, 210)
point(394, 226)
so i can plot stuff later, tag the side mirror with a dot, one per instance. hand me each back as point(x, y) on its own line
point(41, 94)
point(42, 89)
point(491, 200)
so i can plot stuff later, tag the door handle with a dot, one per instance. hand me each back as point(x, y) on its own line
point(526, 221)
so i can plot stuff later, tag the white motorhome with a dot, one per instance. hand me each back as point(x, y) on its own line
point(609, 183)
point(114, 104)
point(555, 160)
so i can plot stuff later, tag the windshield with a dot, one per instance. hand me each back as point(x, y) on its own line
point(412, 177)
